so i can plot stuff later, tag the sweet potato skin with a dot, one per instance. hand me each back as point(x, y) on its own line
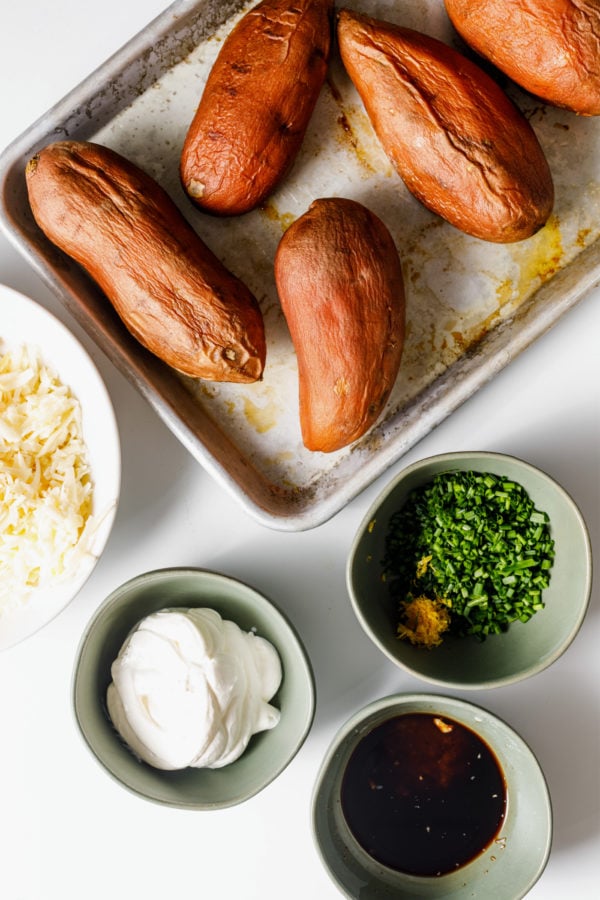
point(551, 48)
point(457, 141)
point(172, 293)
point(256, 105)
point(340, 284)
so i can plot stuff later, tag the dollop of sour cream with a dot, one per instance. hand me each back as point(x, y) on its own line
point(190, 688)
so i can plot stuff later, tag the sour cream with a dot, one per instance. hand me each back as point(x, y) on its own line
point(190, 688)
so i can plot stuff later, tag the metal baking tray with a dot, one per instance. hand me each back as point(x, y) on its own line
point(472, 306)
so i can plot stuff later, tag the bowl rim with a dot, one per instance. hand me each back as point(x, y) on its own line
point(402, 698)
point(114, 599)
point(456, 456)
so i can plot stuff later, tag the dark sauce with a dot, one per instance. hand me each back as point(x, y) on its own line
point(423, 794)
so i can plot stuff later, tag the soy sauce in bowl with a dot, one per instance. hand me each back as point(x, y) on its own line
point(423, 794)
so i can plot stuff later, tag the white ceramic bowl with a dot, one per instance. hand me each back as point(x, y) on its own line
point(25, 322)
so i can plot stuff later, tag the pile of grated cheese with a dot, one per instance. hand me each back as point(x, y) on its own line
point(45, 478)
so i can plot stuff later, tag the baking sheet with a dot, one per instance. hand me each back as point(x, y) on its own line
point(471, 306)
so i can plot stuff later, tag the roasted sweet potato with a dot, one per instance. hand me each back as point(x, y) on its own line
point(256, 105)
point(170, 290)
point(551, 48)
point(339, 279)
point(458, 142)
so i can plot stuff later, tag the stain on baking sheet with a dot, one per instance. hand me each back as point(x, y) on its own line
point(459, 289)
point(284, 220)
point(534, 264)
point(261, 418)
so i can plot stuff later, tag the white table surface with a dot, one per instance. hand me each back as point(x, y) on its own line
point(67, 831)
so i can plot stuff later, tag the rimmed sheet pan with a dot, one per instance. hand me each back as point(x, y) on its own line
point(472, 306)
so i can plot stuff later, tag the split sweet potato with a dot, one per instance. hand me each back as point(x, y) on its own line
point(551, 48)
point(256, 105)
point(173, 294)
point(456, 139)
point(339, 279)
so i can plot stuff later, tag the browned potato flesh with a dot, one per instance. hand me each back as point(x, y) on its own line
point(458, 142)
point(551, 48)
point(170, 290)
point(256, 105)
point(339, 279)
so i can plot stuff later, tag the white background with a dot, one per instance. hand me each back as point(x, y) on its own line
point(67, 831)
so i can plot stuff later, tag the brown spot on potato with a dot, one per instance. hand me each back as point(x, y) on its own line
point(195, 188)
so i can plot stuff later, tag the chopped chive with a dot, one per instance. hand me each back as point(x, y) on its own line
point(490, 550)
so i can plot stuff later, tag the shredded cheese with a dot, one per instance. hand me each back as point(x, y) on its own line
point(45, 478)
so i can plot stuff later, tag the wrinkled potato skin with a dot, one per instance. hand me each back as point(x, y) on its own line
point(457, 141)
point(551, 48)
point(256, 105)
point(339, 280)
point(170, 290)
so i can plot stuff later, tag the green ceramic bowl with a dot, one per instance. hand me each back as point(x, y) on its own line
point(506, 870)
point(268, 752)
point(525, 648)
